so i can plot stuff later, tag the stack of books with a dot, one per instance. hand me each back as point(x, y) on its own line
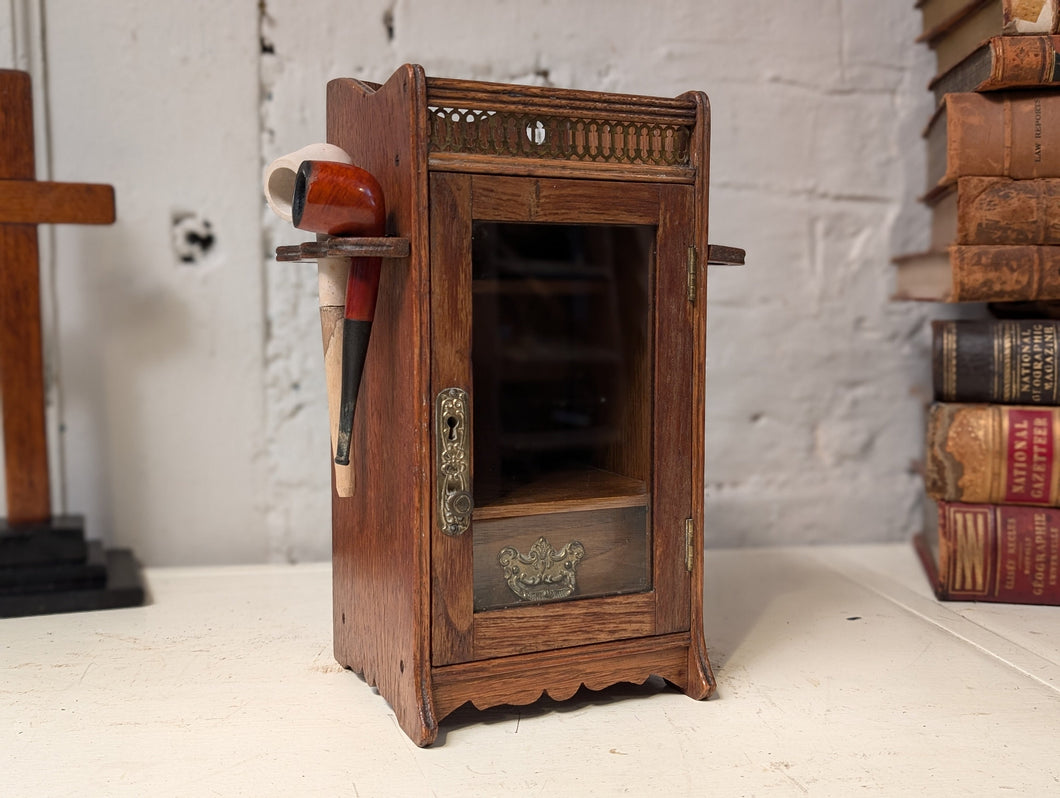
point(992, 462)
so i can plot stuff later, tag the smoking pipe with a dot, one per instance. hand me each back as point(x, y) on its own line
point(344, 200)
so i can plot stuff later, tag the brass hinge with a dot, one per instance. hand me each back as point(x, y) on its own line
point(690, 551)
point(692, 273)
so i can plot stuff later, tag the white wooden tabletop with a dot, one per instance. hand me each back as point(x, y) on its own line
point(838, 674)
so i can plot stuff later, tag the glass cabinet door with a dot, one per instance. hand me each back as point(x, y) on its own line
point(560, 410)
point(553, 319)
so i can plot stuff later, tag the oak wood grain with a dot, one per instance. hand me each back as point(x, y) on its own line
point(22, 377)
point(516, 199)
point(451, 585)
point(701, 682)
point(557, 100)
point(360, 247)
point(564, 491)
point(380, 554)
point(21, 359)
point(485, 164)
point(16, 126)
point(404, 598)
point(672, 430)
point(559, 673)
point(32, 202)
point(670, 208)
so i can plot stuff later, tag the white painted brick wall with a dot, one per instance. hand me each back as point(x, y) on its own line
point(191, 394)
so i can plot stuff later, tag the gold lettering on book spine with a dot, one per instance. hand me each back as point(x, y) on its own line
point(1023, 364)
point(1033, 363)
point(1050, 375)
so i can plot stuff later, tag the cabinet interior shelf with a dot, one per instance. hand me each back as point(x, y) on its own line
point(567, 491)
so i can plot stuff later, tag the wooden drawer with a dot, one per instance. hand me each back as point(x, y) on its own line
point(561, 556)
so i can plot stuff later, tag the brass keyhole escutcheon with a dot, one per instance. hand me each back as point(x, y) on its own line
point(459, 503)
point(453, 461)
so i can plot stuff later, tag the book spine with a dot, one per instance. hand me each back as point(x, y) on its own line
point(983, 273)
point(998, 553)
point(993, 454)
point(1013, 134)
point(1022, 61)
point(1007, 362)
point(1000, 211)
point(1018, 17)
point(1022, 17)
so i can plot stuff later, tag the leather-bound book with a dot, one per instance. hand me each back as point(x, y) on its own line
point(1006, 362)
point(1014, 17)
point(954, 28)
point(995, 210)
point(1012, 134)
point(1002, 62)
point(993, 454)
point(983, 552)
point(980, 273)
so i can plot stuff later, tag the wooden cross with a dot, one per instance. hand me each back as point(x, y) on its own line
point(25, 203)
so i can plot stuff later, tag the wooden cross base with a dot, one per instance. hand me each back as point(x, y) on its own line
point(49, 567)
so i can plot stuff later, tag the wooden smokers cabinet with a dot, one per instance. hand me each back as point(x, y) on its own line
point(528, 440)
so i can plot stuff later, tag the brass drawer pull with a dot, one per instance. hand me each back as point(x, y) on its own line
point(453, 460)
point(544, 574)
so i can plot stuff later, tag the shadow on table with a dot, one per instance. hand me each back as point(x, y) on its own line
point(770, 594)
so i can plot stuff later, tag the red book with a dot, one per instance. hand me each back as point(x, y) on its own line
point(993, 552)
